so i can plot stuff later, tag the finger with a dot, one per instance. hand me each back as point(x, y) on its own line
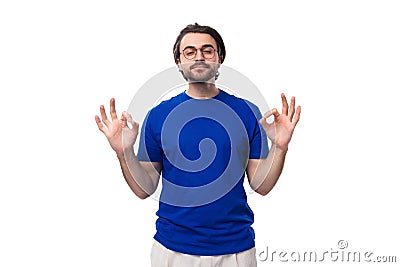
point(297, 115)
point(128, 117)
point(123, 119)
point(131, 121)
point(104, 116)
point(99, 124)
point(292, 107)
point(112, 109)
point(274, 112)
point(284, 104)
point(268, 114)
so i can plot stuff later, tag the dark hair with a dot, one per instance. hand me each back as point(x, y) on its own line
point(196, 28)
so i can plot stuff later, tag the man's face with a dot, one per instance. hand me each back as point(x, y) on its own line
point(204, 65)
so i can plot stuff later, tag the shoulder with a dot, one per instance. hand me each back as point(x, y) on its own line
point(241, 105)
point(164, 107)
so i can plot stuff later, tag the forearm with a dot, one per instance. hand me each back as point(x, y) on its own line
point(268, 171)
point(138, 178)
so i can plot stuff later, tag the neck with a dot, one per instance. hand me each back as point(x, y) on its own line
point(202, 90)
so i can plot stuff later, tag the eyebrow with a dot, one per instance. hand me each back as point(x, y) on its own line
point(203, 46)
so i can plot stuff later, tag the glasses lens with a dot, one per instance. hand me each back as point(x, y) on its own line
point(189, 53)
point(208, 52)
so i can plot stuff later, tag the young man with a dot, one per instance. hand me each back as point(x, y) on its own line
point(203, 142)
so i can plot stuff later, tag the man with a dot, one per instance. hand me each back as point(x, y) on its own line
point(203, 142)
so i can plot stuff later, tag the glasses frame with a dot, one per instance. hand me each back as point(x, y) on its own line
point(201, 50)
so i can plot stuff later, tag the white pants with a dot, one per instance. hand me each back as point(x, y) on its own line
point(163, 257)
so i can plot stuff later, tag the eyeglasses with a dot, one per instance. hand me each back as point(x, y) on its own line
point(191, 52)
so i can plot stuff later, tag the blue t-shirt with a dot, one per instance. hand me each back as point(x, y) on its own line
point(204, 146)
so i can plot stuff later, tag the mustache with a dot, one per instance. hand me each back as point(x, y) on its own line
point(202, 64)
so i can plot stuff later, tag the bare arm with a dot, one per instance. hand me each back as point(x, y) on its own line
point(142, 177)
point(264, 173)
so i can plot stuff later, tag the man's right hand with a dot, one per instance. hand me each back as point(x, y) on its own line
point(119, 135)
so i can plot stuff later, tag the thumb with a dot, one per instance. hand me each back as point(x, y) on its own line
point(129, 119)
point(268, 114)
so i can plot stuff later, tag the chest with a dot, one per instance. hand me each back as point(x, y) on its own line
point(205, 138)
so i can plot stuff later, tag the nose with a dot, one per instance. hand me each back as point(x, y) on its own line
point(199, 55)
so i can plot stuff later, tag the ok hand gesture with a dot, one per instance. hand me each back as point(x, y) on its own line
point(280, 131)
point(118, 134)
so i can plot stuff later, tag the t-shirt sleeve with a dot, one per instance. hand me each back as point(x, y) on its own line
point(258, 138)
point(149, 148)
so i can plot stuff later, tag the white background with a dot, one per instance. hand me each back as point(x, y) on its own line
point(63, 200)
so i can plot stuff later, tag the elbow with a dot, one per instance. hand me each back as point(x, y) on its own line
point(142, 197)
point(263, 192)
point(264, 188)
point(142, 193)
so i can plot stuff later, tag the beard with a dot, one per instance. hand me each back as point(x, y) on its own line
point(200, 72)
